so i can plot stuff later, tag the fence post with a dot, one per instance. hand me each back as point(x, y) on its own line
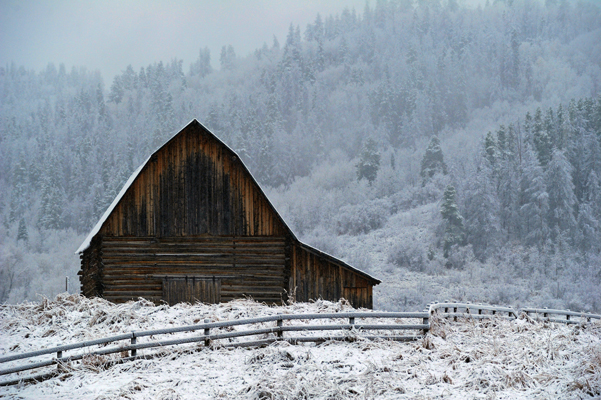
point(280, 323)
point(351, 320)
point(207, 333)
point(426, 321)
point(134, 352)
point(59, 355)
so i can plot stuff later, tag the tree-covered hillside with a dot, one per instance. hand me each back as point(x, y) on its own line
point(355, 125)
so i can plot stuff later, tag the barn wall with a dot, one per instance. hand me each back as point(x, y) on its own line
point(91, 273)
point(314, 276)
point(194, 185)
point(244, 266)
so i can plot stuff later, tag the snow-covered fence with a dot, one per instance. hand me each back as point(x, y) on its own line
point(272, 333)
point(225, 334)
point(566, 316)
point(482, 311)
point(475, 311)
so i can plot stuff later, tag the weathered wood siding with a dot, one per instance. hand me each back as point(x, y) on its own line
point(314, 276)
point(91, 273)
point(245, 266)
point(193, 186)
point(195, 225)
point(184, 288)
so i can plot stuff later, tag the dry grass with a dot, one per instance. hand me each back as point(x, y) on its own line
point(494, 359)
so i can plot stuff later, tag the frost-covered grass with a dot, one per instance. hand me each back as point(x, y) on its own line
point(457, 360)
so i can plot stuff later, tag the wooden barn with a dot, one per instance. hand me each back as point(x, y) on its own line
point(192, 224)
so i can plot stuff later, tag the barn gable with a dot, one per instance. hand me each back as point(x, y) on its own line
point(192, 223)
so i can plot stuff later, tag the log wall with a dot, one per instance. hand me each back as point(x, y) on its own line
point(92, 269)
point(315, 276)
point(245, 266)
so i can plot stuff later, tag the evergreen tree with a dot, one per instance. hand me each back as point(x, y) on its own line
point(202, 66)
point(587, 236)
point(562, 200)
point(454, 230)
point(20, 182)
point(482, 212)
point(540, 139)
point(369, 161)
point(433, 161)
point(534, 201)
point(227, 58)
point(52, 203)
point(490, 148)
point(117, 91)
point(22, 232)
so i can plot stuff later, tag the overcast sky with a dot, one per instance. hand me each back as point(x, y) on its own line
point(110, 34)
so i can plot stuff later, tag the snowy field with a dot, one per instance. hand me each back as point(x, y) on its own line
point(495, 359)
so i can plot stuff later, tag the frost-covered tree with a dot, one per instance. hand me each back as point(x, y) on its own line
point(202, 66)
point(562, 200)
point(52, 199)
point(541, 140)
point(454, 229)
point(432, 161)
point(22, 232)
point(369, 161)
point(534, 201)
point(482, 211)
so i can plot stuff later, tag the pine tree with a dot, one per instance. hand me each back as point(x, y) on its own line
point(454, 231)
point(540, 139)
point(369, 161)
point(22, 232)
point(587, 237)
point(117, 91)
point(534, 201)
point(433, 161)
point(490, 148)
point(20, 182)
point(482, 212)
point(52, 203)
point(202, 66)
point(562, 200)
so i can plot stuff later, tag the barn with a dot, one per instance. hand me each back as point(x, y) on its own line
point(192, 224)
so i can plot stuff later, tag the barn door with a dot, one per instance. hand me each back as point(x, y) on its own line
point(191, 289)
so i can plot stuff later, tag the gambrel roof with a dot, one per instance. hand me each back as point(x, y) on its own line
point(194, 124)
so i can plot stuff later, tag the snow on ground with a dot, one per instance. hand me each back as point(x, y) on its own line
point(495, 359)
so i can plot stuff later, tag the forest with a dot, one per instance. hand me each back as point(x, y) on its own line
point(453, 152)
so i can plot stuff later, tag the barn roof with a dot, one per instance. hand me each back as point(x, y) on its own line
point(86, 243)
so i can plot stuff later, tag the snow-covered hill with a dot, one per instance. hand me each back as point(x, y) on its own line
point(458, 360)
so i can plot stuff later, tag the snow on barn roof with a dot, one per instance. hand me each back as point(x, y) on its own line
point(132, 178)
point(109, 210)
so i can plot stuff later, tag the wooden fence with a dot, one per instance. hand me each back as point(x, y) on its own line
point(481, 311)
point(274, 333)
point(270, 334)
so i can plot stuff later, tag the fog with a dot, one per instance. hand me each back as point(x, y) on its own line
point(109, 35)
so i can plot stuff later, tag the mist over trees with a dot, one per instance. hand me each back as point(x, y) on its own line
point(455, 148)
